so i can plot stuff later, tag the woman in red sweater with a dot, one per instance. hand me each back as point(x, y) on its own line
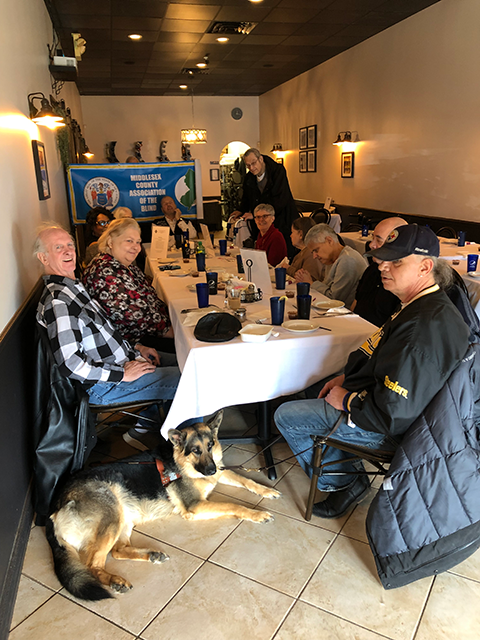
point(270, 240)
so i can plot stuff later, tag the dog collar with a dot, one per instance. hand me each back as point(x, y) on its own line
point(166, 476)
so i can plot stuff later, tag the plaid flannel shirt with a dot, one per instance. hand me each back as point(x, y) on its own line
point(84, 343)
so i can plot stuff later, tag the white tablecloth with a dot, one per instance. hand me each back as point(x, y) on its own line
point(355, 240)
point(457, 257)
point(235, 372)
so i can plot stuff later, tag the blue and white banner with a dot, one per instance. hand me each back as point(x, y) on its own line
point(140, 187)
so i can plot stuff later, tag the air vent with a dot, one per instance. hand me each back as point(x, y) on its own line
point(232, 28)
point(195, 71)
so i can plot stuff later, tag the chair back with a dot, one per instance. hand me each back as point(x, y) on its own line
point(63, 430)
point(447, 232)
point(321, 216)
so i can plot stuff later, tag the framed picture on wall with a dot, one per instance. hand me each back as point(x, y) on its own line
point(302, 161)
point(41, 172)
point(347, 164)
point(214, 175)
point(312, 161)
point(302, 138)
point(312, 136)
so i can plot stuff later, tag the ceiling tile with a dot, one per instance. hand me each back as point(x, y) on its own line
point(189, 26)
point(192, 11)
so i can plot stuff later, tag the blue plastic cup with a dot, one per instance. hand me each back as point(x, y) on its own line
point(303, 288)
point(364, 230)
point(303, 307)
point(461, 238)
point(240, 268)
point(277, 309)
point(212, 280)
point(280, 277)
point(223, 246)
point(472, 261)
point(200, 257)
point(202, 294)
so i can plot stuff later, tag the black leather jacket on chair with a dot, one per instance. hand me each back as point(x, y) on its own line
point(63, 429)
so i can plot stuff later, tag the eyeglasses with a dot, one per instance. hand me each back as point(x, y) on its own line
point(102, 223)
point(263, 217)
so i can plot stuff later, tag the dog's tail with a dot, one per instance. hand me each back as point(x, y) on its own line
point(71, 571)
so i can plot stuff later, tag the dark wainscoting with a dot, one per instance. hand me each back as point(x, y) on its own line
point(16, 411)
point(361, 215)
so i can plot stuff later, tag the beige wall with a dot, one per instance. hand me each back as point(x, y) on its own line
point(25, 30)
point(152, 119)
point(412, 92)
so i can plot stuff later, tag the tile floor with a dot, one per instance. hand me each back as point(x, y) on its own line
point(229, 580)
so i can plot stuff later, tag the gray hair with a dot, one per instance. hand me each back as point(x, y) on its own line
point(263, 206)
point(319, 233)
point(442, 273)
point(115, 229)
point(39, 244)
point(255, 152)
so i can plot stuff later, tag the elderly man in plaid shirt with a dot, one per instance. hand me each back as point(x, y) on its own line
point(86, 345)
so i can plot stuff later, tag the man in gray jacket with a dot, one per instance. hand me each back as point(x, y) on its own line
point(347, 265)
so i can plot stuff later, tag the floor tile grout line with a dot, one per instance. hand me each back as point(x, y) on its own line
point(53, 593)
point(255, 580)
point(287, 613)
point(308, 580)
point(460, 575)
point(422, 612)
point(174, 595)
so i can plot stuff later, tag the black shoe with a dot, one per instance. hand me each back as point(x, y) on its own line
point(338, 503)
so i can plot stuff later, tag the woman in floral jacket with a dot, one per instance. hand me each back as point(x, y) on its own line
point(122, 289)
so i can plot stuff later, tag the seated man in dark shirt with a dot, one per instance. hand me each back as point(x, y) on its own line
point(372, 301)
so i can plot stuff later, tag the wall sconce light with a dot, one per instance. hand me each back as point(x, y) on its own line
point(87, 153)
point(347, 138)
point(45, 117)
point(276, 147)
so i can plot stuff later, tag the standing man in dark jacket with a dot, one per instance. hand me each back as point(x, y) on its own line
point(266, 183)
point(394, 375)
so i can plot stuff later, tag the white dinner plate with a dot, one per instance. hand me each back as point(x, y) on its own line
point(474, 274)
point(178, 273)
point(328, 304)
point(299, 326)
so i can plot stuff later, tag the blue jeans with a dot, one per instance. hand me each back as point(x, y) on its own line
point(161, 384)
point(297, 421)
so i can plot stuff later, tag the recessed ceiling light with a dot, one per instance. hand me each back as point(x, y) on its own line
point(135, 36)
point(256, 0)
point(201, 65)
point(222, 39)
point(183, 86)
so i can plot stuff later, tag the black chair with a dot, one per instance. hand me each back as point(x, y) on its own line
point(64, 430)
point(447, 232)
point(353, 227)
point(321, 216)
point(377, 457)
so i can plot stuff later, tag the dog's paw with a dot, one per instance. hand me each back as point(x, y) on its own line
point(262, 516)
point(157, 557)
point(120, 585)
point(271, 493)
point(188, 515)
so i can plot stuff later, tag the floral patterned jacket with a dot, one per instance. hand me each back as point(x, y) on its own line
point(129, 301)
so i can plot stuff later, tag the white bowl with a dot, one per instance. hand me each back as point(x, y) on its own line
point(256, 332)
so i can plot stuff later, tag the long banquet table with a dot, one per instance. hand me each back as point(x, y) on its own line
point(217, 375)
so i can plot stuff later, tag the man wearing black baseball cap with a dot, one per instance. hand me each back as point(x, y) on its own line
point(392, 377)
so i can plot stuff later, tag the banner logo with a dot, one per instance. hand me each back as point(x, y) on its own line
point(185, 189)
point(101, 192)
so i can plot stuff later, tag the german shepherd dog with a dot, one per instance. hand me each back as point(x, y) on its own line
point(98, 508)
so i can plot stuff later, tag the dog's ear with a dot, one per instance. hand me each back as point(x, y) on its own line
point(176, 437)
point(215, 422)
